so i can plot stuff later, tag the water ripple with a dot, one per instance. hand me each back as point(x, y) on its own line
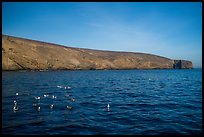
point(142, 102)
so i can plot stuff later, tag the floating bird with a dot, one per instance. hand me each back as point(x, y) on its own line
point(15, 108)
point(38, 108)
point(54, 97)
point(46, 95)
point(34, 105)
point(73, 99)
point(66, 95)
point(15, 105)
point(37, 98)
point(68, 87)
point(15, 102)
point(108, 107)
point(51, 106)
point(17, 94)
point(60, 86)
point(69, 107)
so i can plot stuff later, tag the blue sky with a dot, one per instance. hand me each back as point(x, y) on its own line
point(169, 29)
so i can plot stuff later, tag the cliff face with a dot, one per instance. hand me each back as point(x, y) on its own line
point(18, 53)
point(182, 64)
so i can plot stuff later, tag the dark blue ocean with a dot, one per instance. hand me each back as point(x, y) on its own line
point(142, 102)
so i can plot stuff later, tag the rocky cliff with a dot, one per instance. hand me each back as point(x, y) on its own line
point(25, 54)
point(182, 64)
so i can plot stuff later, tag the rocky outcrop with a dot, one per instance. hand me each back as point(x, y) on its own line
point(182, 64)
point(25, 54)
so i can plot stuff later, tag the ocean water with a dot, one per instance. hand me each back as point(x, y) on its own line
point(142, 102)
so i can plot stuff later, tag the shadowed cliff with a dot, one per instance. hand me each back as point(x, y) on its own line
point(24, 54)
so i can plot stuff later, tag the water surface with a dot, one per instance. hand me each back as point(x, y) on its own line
point(142, 102)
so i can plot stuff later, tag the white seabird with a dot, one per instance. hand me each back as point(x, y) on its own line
point(60, 86)
point(54, 97)
point(35, 105)
point(73, 99)
point(15, 108)
point(69, 107)
point(108, 107)
point(68, 87)
point(38, 98)
point(66, 95)
point(17, 94)
point(15, 102)
point(51, 106)
point(46, 95)
point(38, 108)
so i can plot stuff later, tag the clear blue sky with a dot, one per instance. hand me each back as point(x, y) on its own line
point(168, 29)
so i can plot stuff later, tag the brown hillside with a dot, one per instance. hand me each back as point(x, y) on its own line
point(19, 53)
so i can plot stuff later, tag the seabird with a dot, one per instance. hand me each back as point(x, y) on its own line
point(51, 106)
point(59, 86)
point(108, 107)
point(73, 99)
point(66, 95)
point(37, 98)
point(15, 101)
point(54, 97)
point(34, 104)
point(69, 107)
point(15, 108)
point(17, 94)
point(46, 95)
point(68, 87)
point(38, 108)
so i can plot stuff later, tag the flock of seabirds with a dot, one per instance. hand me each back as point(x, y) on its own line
point(16, 108)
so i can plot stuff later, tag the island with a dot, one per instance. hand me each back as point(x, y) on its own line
point(25, 54)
